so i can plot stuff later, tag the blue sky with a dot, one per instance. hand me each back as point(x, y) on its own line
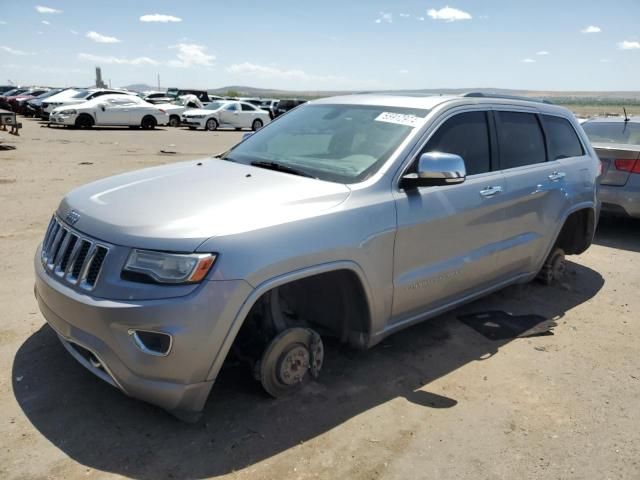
point(324, 45)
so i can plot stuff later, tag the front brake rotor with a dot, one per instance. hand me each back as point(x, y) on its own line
point(288, 359)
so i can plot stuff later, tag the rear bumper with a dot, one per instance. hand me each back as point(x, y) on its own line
point(622, 200)
point(198, 324)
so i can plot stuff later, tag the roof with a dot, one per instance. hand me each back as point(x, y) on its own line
point(427, 102)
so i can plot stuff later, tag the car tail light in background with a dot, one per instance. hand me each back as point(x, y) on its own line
point(626, 165)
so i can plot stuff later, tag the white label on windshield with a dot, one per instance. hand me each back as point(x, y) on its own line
point(400, 119)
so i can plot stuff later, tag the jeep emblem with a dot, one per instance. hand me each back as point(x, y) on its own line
point(72, 217)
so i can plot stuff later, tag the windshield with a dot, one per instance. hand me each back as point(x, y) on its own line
point(82, 94)
point(338, 143)
point(215, 105)
point(613, 132)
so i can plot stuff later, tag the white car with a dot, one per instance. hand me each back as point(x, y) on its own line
point(116, 110)
point(226, 114)
point(77, 95)
point(180, 105)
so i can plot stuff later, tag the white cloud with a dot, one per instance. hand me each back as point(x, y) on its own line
point(158, 17)
point(404, 71)
point(14, 51)
point(117, 60)
point(2, 22)
point(449, 14)
point(192, 54)
point(74, 32)
point(385, 17)
point(263, 71)
point(420, 18)
point(605, 60)
point(405, 15)
point(99, 38)
point(542, 52)
point(528, 60)
point(44, 22)
point(591, 29)
point(629, 45)
point(41, 9)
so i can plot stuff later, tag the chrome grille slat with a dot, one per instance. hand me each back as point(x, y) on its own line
point(71, 256)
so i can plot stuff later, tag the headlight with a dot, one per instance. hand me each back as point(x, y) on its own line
point(68, 112)
point(170, 267)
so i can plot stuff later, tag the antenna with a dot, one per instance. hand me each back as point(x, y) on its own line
point(626, 117)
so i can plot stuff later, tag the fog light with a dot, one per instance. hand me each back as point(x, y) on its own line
point(152, 343)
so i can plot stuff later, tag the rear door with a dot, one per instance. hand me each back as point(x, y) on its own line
point(448, 237)
point(230, 115)
point(248, 114)
point(536, 193)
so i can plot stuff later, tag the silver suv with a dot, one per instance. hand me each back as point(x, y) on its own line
point(351, 217)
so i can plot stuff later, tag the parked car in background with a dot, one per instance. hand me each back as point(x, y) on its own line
point(9, 94)
point(202, 95)
point(110, 110)
point(156, 97)
point(616, 140)
point(18, 102)
point(287, 104)
point(33, 107)
point(76, 96)
point(6, 88)
point(351, 217)
point(177, 107)
point(269, 106)
point(226, 114)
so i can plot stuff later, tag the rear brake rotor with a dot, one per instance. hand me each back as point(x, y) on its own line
point(288, 359)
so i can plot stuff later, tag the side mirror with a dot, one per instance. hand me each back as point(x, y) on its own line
point(435, 169)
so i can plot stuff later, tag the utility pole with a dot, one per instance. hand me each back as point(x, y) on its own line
point(158, 81)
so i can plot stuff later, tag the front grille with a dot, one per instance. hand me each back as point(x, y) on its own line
point(76, 259)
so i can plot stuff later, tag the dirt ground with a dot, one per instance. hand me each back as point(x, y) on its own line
point(436, 401)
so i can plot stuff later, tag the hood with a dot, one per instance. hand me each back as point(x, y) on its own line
point(198, 111)
point(177, 207)
point(169, 107)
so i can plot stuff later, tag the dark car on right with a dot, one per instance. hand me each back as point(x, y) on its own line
point(616, 140)
point(287, 104)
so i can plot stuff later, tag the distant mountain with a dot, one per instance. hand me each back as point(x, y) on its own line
point(142, 87)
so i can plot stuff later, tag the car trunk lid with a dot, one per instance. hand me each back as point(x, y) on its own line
point(619, 161)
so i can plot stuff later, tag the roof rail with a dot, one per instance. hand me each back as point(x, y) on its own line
point(505, 97)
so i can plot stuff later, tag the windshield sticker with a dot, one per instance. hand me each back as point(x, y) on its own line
point(399, 118)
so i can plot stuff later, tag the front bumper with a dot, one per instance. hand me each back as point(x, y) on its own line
point(193, 122)
point(179, 382)
point(623, 200)
point(63, 119)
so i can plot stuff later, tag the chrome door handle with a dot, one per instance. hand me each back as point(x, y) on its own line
point(490, 191)
point(555, 176)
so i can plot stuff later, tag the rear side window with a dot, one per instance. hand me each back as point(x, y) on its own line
point(520, 139)
point(247, 108)
point(563, 139)
point(467, 135)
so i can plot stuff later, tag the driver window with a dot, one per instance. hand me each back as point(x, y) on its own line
point(231, 108)
point(467, 135)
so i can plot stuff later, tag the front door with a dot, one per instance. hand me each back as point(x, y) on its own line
point(448, 237)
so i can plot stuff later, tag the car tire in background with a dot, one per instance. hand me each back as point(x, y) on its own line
point(256, 125)
point(211, 125)
point(174, 121)
point(148, 123)
point(84, 120)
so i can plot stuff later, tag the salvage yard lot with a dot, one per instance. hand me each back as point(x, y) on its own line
point(436, 401)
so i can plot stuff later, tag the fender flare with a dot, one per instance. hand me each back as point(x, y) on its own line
point(277, 281)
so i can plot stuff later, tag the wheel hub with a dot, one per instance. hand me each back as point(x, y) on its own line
point(293, 365)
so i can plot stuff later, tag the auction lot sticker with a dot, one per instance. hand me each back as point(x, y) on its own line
point(399, 118)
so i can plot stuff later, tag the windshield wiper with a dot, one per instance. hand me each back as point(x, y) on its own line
point(281, 168)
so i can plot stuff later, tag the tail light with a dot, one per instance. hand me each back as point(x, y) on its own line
point(626, 165)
